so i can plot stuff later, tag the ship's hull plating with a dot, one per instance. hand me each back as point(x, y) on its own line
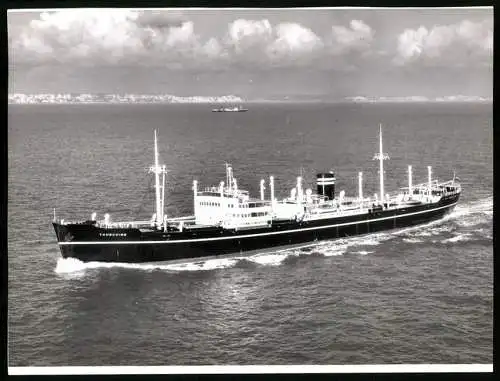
point(89, 243)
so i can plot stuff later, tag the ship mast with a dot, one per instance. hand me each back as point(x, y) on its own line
point(381, 157)
point(160, 189)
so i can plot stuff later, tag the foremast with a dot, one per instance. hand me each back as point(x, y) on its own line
point(380, 156)
point(158, 170)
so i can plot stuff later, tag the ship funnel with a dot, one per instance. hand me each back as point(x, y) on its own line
point(93, 216)
point(325, 184)
point(262, 187)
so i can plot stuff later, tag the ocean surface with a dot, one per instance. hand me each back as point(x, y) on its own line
point(418, 295)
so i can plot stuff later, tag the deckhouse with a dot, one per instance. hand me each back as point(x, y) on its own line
point(230, 207)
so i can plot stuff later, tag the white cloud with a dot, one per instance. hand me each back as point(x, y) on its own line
point(411, 42)
point(294, 39)
point(77, 34)
point(359, 37)
point(94, 36)
point(147, 38)
point(180, 35)
point(128, 36)
point(241, 30)
point(246, 36)
point(258, 41)
point(456, 44)
point(102, 36)
point(213, 48)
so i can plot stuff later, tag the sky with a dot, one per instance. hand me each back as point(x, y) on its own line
point(253, 53)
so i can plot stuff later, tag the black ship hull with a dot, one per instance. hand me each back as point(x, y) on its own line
point(87, 242)
point(244, 110)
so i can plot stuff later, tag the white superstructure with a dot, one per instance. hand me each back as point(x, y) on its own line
point(229, 206)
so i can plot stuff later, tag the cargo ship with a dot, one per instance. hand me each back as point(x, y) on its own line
point(230, 109)
point(228, 220)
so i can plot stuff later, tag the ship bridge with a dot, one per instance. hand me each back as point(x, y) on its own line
point(229, 207)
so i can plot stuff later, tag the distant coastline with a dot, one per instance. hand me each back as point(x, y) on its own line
point(449, 98)
point(19, 98)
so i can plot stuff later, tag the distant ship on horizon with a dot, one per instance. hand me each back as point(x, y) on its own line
point(230, 109)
